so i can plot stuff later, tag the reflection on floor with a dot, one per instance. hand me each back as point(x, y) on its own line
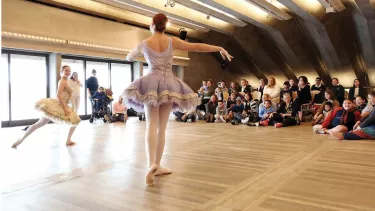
point(216, 167)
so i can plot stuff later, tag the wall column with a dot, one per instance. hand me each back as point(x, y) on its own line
point(54, 66)
point(137, 70)
point(178, 71)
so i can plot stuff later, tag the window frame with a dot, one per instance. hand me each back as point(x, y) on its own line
point(9, 52)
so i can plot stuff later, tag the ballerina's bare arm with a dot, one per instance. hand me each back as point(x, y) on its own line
point(60, 90)
point(199, 47)
point(134, 53)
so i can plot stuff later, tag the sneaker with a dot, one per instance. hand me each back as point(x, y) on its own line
point(319, 131)
point(222, 119)
point(250, 124)
point(256, 124)
point(278, 125)
point(107, 118)
point(217, 121)
point(189, 120)
point(263, 123)
point(245, 120)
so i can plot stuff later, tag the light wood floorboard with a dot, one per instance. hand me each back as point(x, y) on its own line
point(216, 167)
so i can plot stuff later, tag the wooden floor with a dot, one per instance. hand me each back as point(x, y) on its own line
point(216, 167)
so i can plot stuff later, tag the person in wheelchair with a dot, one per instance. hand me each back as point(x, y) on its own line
point(101, 104)
point(99, 97)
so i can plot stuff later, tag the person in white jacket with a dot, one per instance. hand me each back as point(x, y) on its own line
point(273, 90)
point(76, 85)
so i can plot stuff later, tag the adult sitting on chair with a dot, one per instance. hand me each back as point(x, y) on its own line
point(119, 112)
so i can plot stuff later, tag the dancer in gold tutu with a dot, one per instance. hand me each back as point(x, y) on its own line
point(56, 110)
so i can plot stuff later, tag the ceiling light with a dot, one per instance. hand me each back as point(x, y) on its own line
point(264, 10)
point(277, 4)
point(170, 3)
point(150, 13)
point(213, 8)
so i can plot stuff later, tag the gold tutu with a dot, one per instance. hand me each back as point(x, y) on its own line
point(51, 109)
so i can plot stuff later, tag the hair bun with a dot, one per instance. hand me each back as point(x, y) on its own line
point(160, 21)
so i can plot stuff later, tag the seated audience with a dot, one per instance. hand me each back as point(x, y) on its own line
point(240, 117)
point(211, 109)
point(238, 107)
point(262, 84)
point(286, 89)
point(221, 112)
point(119, 111)
point(231, 101)
point(367, 110)
point(233, 87)
point(356, 90)
point(360, 103)
point(265, 113)
point(319, 119)
point(364, 128)
point(293, 85)
point(266, 97)
point(251, 106)
point(330, 97)
point(204, 85)
point(190, 116)
point(245, 88)
point(286, 114)
point(303, 93)
point(99, 97)
point(223, 86)
point(208, 92)
point(219, 93)
point(273, 90)
point(340, 120)
point(317, 91)
point(338, 90)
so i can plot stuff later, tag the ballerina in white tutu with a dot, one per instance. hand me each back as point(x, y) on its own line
point(56, 110)
point(159, 92)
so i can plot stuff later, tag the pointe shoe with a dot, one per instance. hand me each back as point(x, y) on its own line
point(18, 142)
point(151, 175)
point(70, 143)
point(163, 171)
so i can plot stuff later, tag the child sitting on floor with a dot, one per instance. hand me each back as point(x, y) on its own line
point(265, 113)
point(321, 117)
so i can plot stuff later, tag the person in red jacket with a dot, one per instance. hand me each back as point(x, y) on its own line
point(341, 119)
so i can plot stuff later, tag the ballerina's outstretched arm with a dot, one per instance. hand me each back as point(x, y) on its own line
point(200, 47)
point(134, 53)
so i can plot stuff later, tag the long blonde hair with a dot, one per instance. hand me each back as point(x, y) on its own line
point(274, 82)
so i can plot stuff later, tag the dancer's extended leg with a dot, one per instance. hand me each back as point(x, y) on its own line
point(42, 121)
point(152, 121)
point(164, 112)
point(69, 139)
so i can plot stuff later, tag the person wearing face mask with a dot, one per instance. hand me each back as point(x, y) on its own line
point(56, 110)
point(338, 90)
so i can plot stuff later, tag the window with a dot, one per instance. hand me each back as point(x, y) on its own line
point(121, 77)
point(28, 75)
point(145, 70)
point(78, 66)
point(4, 87)
point(102, 73)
